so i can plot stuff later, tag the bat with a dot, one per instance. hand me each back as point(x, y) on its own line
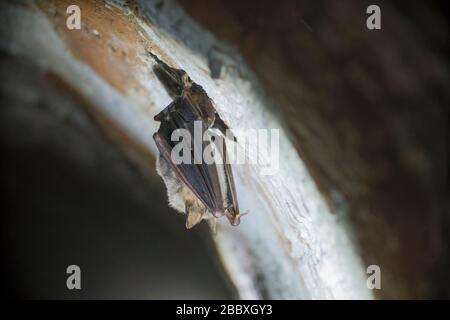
point(201, 190)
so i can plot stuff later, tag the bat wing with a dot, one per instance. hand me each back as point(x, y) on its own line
point(202, 179)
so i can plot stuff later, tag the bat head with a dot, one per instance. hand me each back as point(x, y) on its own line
point(172, 79)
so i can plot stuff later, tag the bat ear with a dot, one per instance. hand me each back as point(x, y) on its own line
point(194, 215)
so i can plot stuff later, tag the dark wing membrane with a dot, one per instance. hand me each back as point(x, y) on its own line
point(202, 179)
point(189, 177)
point(209, 174)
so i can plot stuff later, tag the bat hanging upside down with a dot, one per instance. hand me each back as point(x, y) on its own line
point(200, 189)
